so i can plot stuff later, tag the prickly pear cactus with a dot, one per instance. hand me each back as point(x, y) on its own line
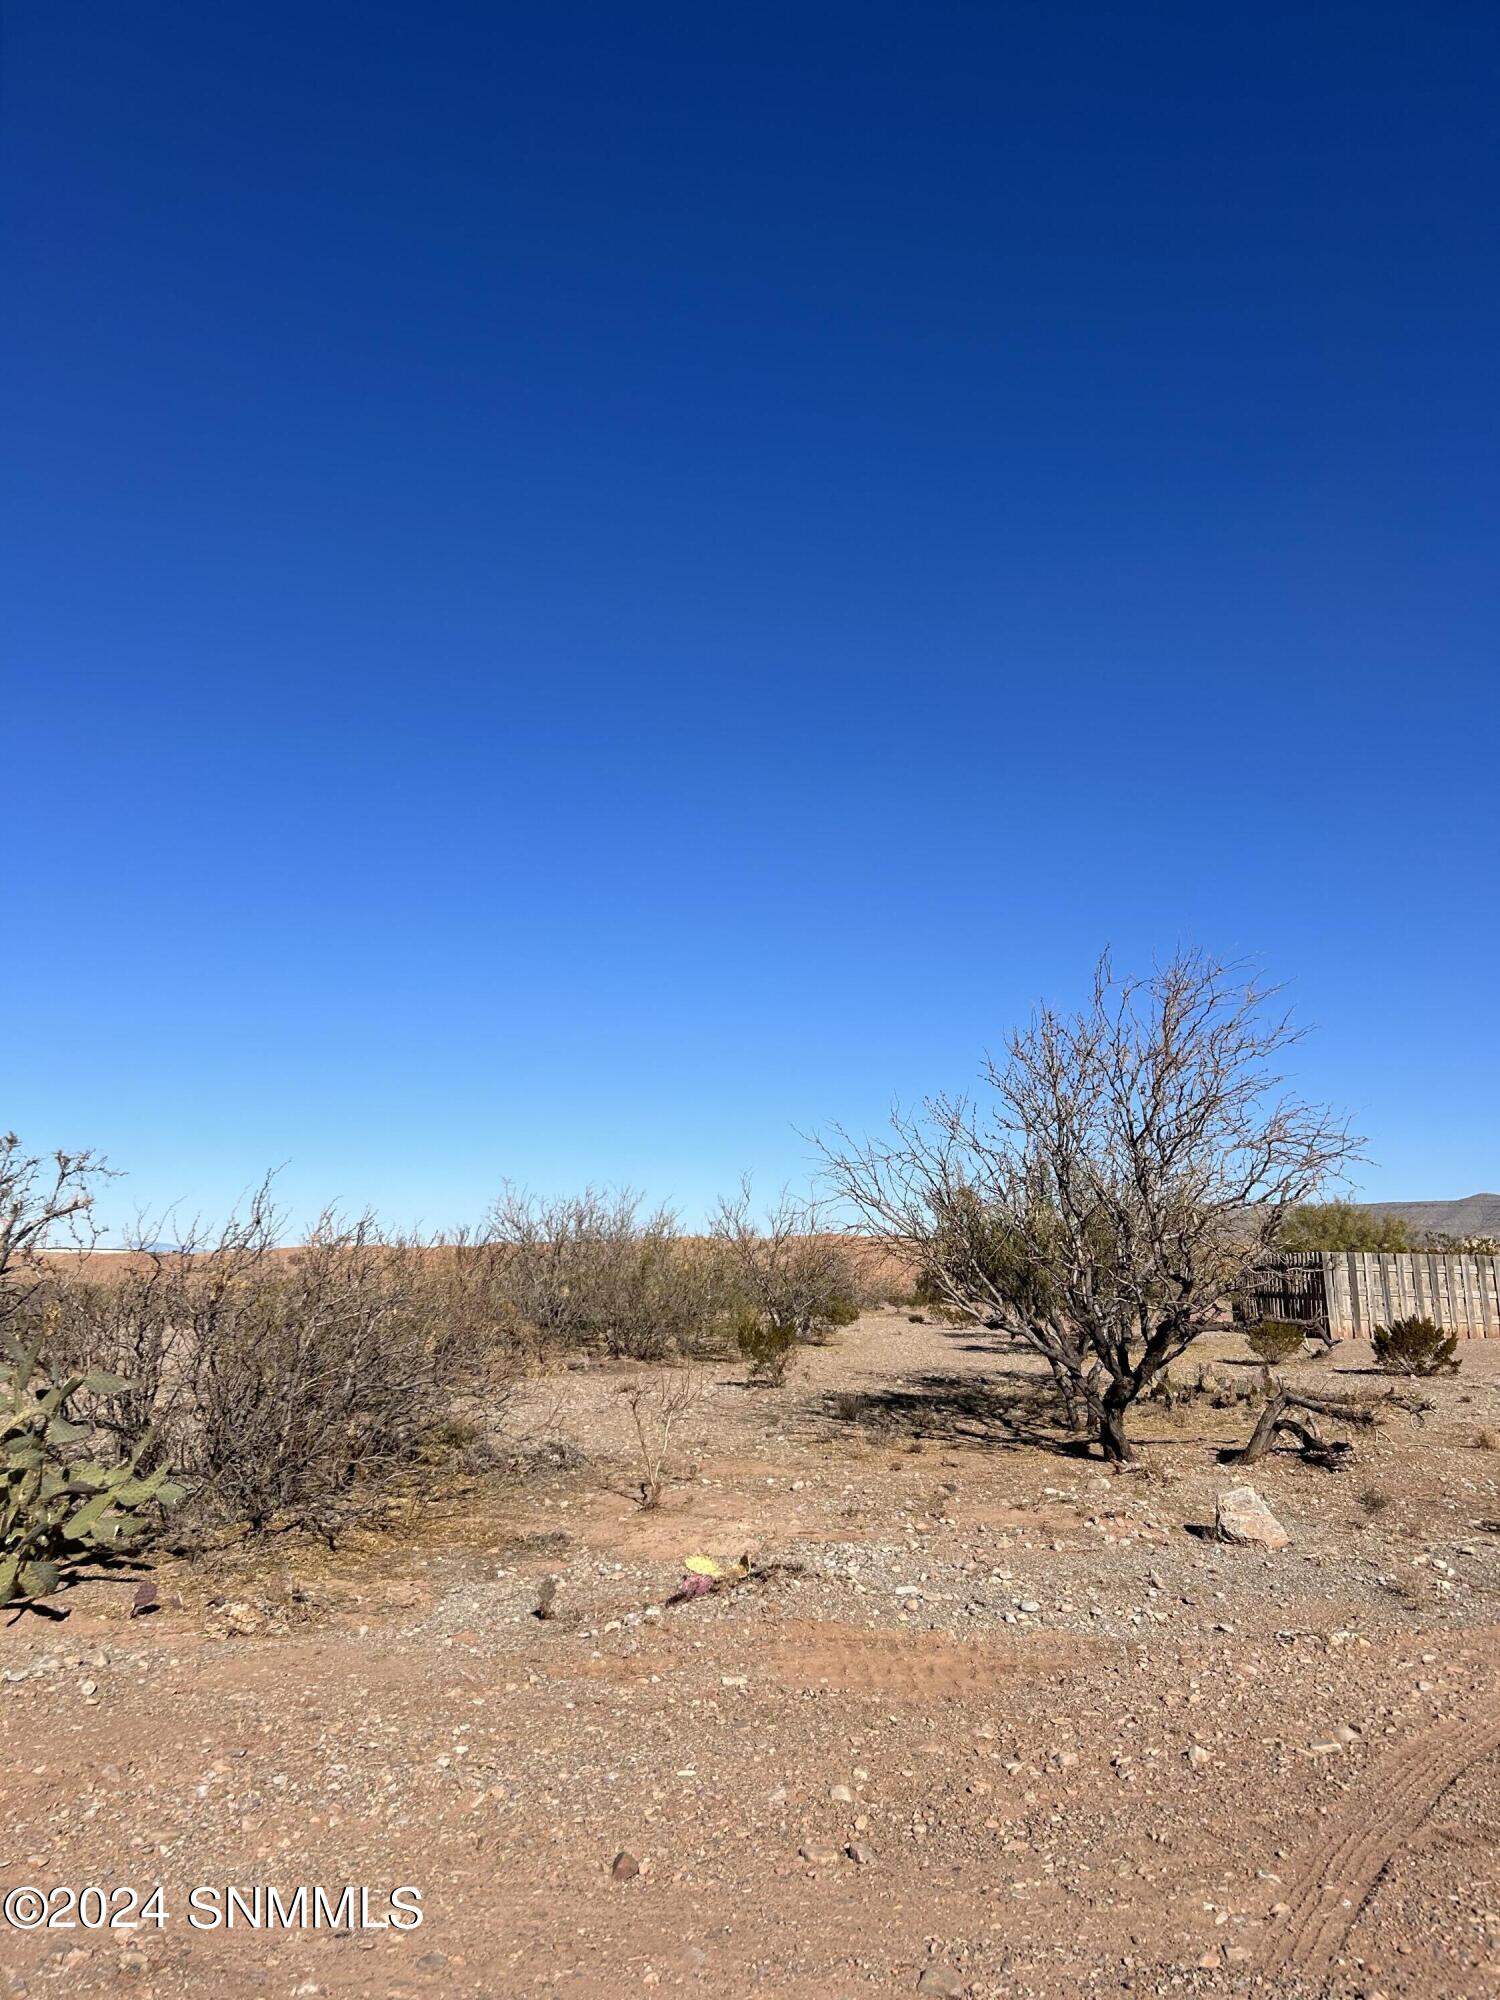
point(58, 1507)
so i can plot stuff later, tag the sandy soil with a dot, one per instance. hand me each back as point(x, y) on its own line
point(992, 1722)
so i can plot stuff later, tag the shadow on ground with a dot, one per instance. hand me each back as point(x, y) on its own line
point(1008, 1409)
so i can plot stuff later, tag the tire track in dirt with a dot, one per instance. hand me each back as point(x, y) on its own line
point(832, 1658)
point(1343, 1871)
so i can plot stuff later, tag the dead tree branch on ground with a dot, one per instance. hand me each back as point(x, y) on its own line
point(1278, 1417)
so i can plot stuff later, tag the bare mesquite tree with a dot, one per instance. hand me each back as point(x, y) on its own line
point(1132, 1164)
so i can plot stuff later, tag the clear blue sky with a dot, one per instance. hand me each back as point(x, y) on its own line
point(586, 586)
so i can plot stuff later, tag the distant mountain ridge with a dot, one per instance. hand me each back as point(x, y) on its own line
point(1474, 1215)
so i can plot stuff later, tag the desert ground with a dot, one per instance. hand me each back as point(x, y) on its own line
point(984, 1718)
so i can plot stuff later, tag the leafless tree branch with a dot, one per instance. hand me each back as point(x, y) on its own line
point(1128, 1167)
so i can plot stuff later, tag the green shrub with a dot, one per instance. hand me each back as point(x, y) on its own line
point(786, 1267)
point(768, 1346)
point(59, 1507)
point(1275, 1341)
point(1342, 1225)
point(1415, 1346)
point(839, 1309)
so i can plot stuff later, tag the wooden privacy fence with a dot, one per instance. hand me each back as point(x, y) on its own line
point(1352, 1291)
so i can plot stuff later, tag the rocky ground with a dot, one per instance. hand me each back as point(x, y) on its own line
point(982, 1719)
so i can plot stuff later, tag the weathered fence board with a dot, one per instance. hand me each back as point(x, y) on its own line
point(1353, 1291)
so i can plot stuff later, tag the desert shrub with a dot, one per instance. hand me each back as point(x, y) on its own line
point(318, 1389)
point(1275, 1341)
point(40, 1196)
point(150, 1314)
point(60, 1504)
point(768, 1347)
point(1414, 1346)
point(591, 1271)
point(132, 1323)
point(941, 1315)
point(292, 1387)
point(480, 1342)
point(842, 1309)
point(657, 1403)
point(794, 1276)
